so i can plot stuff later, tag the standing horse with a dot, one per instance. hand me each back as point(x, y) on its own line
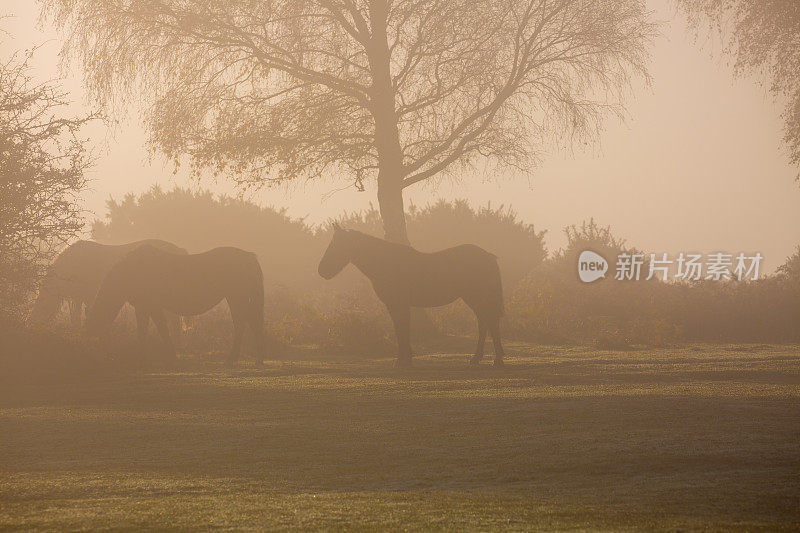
point(404, 277)
point(77, 273)
point(153, 281)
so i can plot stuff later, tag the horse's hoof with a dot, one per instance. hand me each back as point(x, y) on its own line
point(498, 363)
point(475, 360)
point(402, 363)
point(259, 362)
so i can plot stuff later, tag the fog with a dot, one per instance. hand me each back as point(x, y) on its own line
point(376, 332)
point(697, 165)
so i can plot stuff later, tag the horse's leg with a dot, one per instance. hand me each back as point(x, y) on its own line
point(83, 306)
point(239, 319)
point(236, 347)
point(142, 325)
point(401, 317)
point(482, 327)
point(255, 317)
point(75, 312)
point(481, 342)
point(494, 326)
point(258, 332)
point(163, 330)
point(175, 325)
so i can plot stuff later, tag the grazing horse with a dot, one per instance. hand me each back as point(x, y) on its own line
point(77, 273)
point(404, 277)
point(153, 281)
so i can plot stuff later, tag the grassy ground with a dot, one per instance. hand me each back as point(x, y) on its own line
point(701, 437)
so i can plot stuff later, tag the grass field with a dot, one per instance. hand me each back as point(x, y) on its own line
point(699, 437)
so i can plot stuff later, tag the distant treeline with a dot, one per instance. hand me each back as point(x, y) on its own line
point(552, 305)
point(545, 300)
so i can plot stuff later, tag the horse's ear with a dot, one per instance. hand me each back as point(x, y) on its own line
point(336, 227)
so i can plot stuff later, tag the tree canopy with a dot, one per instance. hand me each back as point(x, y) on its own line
point(42, 166)
point(763, 36)
point(397, 91)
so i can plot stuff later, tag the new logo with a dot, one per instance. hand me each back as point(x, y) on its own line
point(591, 266)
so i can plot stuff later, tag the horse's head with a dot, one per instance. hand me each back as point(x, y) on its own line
point(47, 303)
point(338, 254)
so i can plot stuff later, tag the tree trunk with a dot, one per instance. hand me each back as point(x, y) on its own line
point(387, 137)
point(390, 153)
point(390, 202)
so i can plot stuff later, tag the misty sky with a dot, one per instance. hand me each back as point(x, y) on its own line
point(698, 165)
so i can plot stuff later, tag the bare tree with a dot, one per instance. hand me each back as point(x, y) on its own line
point(42, 164)
point(393, 90)
point(764, 37)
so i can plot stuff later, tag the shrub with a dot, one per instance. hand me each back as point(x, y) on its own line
point(356, 330)
point(552, 305)
point(49, 355)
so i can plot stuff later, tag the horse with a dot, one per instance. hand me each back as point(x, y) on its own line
point(153, 280)
point(76, 275)
point(404, 277)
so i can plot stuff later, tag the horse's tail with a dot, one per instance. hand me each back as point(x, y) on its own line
point(256, 304)
point(496, 283)
point(257, 292)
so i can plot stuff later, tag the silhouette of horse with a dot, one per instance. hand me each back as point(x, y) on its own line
point(404, 277)
point(77, 273)
point(153, 281)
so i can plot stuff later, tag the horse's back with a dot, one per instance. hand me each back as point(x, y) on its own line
point(228, 252)
point(225, 258)
point(189, 284)
point(470, 252)
point(462, 261)
point(155, 255)
point(88, 256)
point(156, 243)
point(78, 251)
point(80, 267)
point(465, 271)
point(474, 273)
